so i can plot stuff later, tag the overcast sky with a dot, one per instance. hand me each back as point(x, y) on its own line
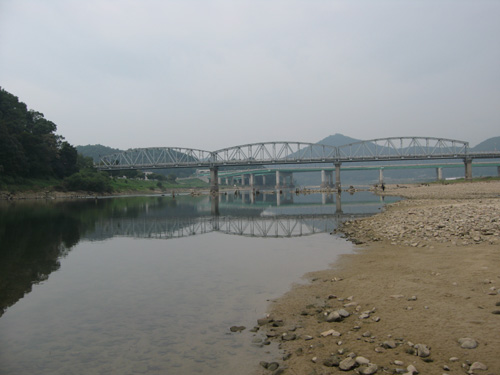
point(213, 74)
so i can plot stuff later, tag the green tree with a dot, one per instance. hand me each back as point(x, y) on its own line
point(29, 146)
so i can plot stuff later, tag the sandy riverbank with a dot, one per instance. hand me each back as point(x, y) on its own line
point(427, 272)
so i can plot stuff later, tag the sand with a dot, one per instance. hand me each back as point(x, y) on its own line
point(433, 290)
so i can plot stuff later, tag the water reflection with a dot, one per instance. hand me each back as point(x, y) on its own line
point(35, 235)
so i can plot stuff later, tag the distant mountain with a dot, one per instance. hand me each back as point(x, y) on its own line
point(491, 144)
point(96, 151)
point(338, 140)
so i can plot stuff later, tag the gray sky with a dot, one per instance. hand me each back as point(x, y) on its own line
point(213, 74)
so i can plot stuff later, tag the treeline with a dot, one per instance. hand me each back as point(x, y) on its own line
point(30, 148)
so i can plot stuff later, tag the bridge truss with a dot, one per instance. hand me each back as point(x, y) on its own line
point(269, 153)
point(276, 227)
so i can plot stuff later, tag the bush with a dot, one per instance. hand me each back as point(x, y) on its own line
point(88, 180)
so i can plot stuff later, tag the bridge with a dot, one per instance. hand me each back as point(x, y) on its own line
point(271, 227)
point(296, 153)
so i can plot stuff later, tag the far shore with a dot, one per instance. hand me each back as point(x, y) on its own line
point(421, 293)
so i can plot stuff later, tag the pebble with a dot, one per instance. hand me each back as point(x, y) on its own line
point(467, 343)
point(412, 369)
point(343, 313)
point(368, 370)
point(422, 350)
point(347, 364)
point(389, 344)
point(332, 361)
point(362, 360)
point(477, 366)
point(333, 317)
point(237, 328)
point(289, 336)
point(330, 332)
point(273, 366)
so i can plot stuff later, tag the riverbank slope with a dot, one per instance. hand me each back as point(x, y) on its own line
point(425, 277)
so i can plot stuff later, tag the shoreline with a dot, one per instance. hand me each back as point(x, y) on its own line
point(425, 276)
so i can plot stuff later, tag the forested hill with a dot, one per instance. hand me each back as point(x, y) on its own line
point(96, 151)
point(491, 144)
point(29, 145)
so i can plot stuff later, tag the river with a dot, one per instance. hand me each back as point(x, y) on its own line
point(152, 284)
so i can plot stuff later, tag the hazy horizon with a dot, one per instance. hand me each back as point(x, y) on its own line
point(214, 74)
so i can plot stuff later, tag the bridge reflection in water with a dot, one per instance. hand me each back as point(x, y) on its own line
point(244, 214)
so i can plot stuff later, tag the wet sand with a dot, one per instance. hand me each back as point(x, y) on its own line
point(426, 271)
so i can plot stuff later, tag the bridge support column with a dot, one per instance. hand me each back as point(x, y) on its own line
point(214, 180)
point(252, 180)
point(263, 180)
point(381, 176)
point(278, 180)
point(326, 179)
point(214, 205)
point(439, 174)
point(338, 203)
point(338, 187)
point(468, 169)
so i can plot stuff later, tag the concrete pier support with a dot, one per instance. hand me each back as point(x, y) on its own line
point(468, 169)
point(381, 176)
point(252, 180)
point(326, 179)
point(284, 179)
point(439, 174)
point(214, 205)
point(338, 187)
point(338, 203)
point(214, 180)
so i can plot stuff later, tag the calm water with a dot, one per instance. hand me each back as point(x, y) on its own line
point(152, 284)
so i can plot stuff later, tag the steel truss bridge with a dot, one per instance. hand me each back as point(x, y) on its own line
point(286, 153)
point(272, 227)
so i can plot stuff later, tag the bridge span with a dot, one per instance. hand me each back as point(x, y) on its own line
point(296, 153)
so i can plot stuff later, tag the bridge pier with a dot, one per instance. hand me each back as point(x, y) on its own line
point(338, 187)
point(381, 176)
point(326, 179)
point(468, 169)
point(338, 203)
point(252, 180)
point(439, 173)
point(214, 205)
point(214, 180)
point(281, 179)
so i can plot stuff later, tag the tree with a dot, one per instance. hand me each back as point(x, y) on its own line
point(29, 146)
point(66, 162)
